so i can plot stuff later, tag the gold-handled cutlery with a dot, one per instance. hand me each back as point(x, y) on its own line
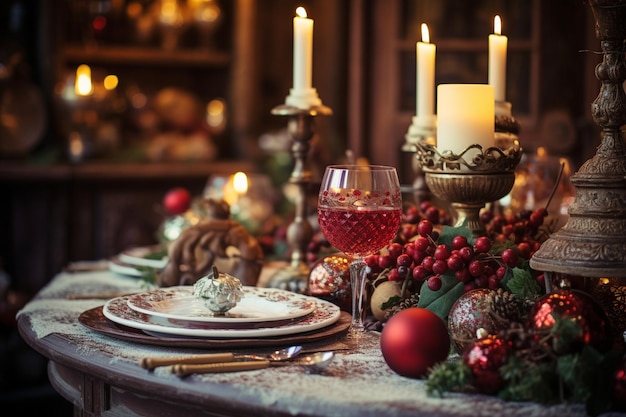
point(319, 361)
point(212, 358)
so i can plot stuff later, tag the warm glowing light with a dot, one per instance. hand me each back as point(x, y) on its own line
point(134, 10)
point(216, 112)
point(544, 316)
point(76, 147)
point(169, 12)
point(83, 86)
point(497, 25)
point(425, 34)
point(240, 183)
point(110, 82)
point(216, 107)
point(301, 12)
point(541, 152)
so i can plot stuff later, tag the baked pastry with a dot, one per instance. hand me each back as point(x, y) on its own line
point(216, 240)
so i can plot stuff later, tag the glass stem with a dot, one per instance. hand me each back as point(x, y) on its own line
point(358, 273)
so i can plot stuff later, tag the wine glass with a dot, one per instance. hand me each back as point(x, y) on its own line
point(359, 212)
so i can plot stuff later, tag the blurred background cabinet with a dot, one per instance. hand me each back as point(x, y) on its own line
point(196, 83)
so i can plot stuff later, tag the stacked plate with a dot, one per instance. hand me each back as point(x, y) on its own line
point(138, 261)
point(261, 313)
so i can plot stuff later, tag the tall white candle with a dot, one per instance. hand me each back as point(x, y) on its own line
point(302, 50)
point(465, 116)
point(425, 79)
point(497, 60)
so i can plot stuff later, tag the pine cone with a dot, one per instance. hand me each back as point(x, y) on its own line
point(404, 304)
point(507, 307)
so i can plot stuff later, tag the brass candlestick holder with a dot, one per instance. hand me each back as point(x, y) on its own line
point(423, 130)
point(593, 241)
point(300, 126)
point(470, 179)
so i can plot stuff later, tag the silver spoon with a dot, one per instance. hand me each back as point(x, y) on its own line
point(278, 355)
point(316, 361)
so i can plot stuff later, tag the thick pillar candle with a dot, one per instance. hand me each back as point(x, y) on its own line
point(497, 60)
point(465, 116)
point(302, 50)
point(425, 78)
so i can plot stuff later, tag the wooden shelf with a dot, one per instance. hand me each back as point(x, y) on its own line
point(145, 56)
point(100, 171)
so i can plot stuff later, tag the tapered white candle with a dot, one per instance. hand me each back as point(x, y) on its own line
point(425, 77)
point(465, 116)
point(497, 60)
point(302, 50)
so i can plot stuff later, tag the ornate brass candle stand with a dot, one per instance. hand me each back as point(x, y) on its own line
point(593, 241)
point(299, 233)
point(471, 179)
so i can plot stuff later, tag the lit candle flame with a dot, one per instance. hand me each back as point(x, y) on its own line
point(301, 12)
point(83, 86)
point(497, 25)
point(425, 34)
point(240, 183)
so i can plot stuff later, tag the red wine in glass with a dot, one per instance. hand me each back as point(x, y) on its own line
point(359, 232)
point(359, 212)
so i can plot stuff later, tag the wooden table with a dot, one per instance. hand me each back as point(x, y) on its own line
point(100, 374)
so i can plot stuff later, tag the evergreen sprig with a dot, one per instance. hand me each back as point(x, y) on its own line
point(553, 370)
point(448, 376)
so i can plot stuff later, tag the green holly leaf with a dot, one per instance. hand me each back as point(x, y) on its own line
point(440, 302)
point(449, 232)
point(392, 301)
point(521, 283)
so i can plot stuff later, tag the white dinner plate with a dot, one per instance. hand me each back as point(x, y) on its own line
point(258, 305)
point(119, 267)
point(141, 256)
point(118, 311)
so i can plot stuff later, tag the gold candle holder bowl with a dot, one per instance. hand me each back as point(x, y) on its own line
point(470, 179)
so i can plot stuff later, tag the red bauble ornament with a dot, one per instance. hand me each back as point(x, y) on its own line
point(413, 341)
point(485, 357)
point(177, 200)
point(578, 306)
point(469, 313)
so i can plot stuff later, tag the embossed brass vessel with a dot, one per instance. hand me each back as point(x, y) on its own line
point(471, 179)
point(593, 241)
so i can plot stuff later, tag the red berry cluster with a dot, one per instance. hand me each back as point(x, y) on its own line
point(418, 256)
point(526, 227)
point(423, 259)
point(413, 215)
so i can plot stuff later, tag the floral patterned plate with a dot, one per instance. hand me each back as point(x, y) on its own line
point(258, 305)
point(118, 311)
